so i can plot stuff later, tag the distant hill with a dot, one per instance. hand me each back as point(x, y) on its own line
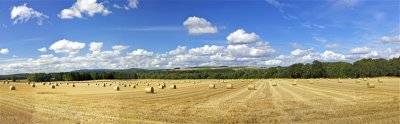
point(107, 70)
point(217, 68)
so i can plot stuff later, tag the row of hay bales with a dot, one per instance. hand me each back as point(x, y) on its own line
point(369, 84)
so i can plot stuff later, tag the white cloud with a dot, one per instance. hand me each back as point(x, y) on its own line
point(4, 51)
point(43, 49)
point(141, 52)
point(180, 50)
point(272, 62)
point(120, 47)
point(197, 26)
point(22, 13)
point(66, 46)
point(300, 52)
point(95, 46)
point(360, 50)
point(332, 46)
point(206, 50)
point(241, 37)
point(89, 7)
point(332, 56)
point(131, 4)
point(390, 39)
point(243, 50)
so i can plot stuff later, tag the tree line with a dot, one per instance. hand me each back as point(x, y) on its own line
point(316, 69)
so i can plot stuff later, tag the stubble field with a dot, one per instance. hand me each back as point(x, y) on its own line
point(309, 101)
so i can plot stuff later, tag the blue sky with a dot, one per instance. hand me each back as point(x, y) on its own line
point(166, 34)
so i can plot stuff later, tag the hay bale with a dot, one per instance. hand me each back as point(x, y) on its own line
point(229, 86)
point(380, 81)
point(57, 84)
point(370, 85)
point(133, 86)
point(43, 83)
point(161, 87)
point(251, 87)
point(52, 86)
point(358, 81)
point(149, 90)
point(12, 88)
point(294, 83)
point(211, 86)
point(73, 85)
point(147, 84)
point(340, 81)
point(116, 88)
point(104, 85)
point(32, 85)
point(173, 86)
point(274, 84)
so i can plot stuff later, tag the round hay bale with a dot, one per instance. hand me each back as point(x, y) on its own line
point(229, 86)
point(161, 87)
point(149, 90)
point(104, 85)
point(147, 84)
point(251, 87)
point(173, 86)
point(12, 88)
point(340, 81)
point(211, 86)
point(294, 83)
point(358, 81)
point(274, 84)
point(116, 88)
point(73, 85)
point(371, 85)
point(57, 84)
point(43, 83)
point(32, 85)
point(380, 81)
point(52, 86)
point(133, 86)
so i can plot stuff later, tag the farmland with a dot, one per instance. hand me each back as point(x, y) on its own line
point(309, 101)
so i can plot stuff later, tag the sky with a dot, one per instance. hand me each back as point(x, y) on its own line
point(66, 35)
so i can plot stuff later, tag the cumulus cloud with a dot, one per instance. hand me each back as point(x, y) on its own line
point(243, 50)
point(241, 37)
point(95, 46)
point(332, 46)
point(272, 62)
point(300, 52)
point(197, 26)
point(332, 56)
point(89, 7)
point(43, 49)
point(4, 51)
point(120, 47)
point(180, 50)
point(360, 50)
point(206, 50)
point(23, 13)
point(390, 39)
point(131, 4)
point(141, 52)
point(67, 47)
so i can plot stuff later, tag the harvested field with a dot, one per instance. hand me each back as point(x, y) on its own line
point(322, 101)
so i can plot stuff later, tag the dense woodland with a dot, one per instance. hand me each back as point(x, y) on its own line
point(316, 69)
